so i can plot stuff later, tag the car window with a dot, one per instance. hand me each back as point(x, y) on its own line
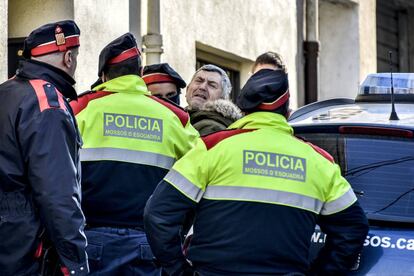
point(380, 170)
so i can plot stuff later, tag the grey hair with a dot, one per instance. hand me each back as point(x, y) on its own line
point(225, 81)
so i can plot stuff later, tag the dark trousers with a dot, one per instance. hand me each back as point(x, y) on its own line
point(119, 251)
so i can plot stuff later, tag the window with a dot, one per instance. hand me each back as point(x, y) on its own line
point(379, 168)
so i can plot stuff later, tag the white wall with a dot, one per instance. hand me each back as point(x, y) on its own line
point(246, 28)
point(3, 40)
point(339, 53)
point(100, 22)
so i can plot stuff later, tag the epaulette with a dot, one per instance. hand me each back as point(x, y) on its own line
point(319, 150)
point(84, 98)
point(213, 139)
point(47, 95)
point(178, 110)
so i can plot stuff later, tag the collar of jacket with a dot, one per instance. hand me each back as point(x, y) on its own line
point(261, 119)
point(33, 69)
point(124, 84)
point(197, 116)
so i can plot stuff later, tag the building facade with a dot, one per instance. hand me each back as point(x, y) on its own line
point(231, 34)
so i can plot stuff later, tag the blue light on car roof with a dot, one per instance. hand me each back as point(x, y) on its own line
point(380, 83)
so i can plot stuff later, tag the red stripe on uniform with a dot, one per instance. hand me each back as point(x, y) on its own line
point(60, 99)
point(41, 95)
point(133, 52)
point(52, 47)
point(39, 250)
point(213, 139)
point(83, 100)
point(181, 114)
point(157, 78)
point(65, 271)
point(276, 104)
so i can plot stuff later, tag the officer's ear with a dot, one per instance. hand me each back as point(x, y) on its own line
point(70, 57)
point(70, 60)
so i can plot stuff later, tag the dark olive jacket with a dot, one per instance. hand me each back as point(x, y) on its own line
point(214, 116)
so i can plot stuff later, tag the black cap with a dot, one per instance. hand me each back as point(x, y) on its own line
point(119, 50)
point(266, 90)
point(96, 83)
point(162, 72)
point(50, 38)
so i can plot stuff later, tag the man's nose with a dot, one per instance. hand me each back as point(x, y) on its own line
point(203, 85)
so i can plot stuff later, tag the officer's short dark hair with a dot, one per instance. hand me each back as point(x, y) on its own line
point(130, 66)
point(272, 58)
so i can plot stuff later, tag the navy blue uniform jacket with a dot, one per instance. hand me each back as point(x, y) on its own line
point(39, 170)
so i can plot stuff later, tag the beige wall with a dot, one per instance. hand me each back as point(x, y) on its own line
point(368, 38)
point(247, 28)
point(100, 21)
point(239, 30)
point(348, 46)
point(3, 40)
point(26, 15)
point(339, 53)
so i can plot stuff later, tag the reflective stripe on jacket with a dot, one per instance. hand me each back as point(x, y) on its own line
point(131, 140)
point(257, 193)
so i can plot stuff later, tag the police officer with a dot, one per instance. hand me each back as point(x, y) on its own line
point(131, 140)
point(163, 81)
point(258, 193)
point(39, 156)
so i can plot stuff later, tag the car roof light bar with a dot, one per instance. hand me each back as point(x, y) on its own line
point(380, 83)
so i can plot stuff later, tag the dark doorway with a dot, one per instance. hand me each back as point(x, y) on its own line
point(395, 33)
point(14, 54)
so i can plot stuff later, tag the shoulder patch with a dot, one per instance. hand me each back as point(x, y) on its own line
point(213, 139)
point(319, 150)
point(83, 100)
point(47, 95)
point(178, 110)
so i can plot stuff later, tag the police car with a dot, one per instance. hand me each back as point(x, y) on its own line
point(372, 140)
